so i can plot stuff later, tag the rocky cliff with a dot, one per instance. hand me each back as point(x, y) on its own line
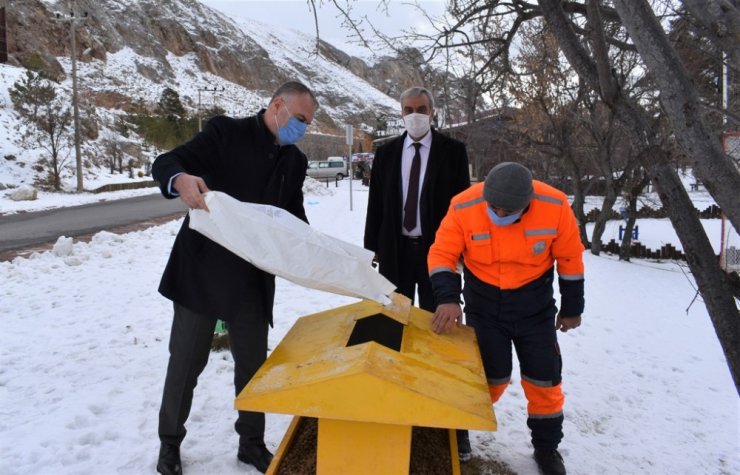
point(129, 50)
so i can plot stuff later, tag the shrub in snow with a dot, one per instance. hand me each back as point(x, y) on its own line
point(24, 193)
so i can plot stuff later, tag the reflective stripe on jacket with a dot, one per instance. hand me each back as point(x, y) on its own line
point(509, 257)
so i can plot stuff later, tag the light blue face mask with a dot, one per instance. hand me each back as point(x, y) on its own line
point(506, 220)
point(293, 130)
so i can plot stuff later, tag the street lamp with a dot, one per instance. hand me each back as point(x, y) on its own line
point(72, 19)
point(213, 89)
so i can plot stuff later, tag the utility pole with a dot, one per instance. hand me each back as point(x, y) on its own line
point(73, 19)
point(349, 136)
point(213, 89)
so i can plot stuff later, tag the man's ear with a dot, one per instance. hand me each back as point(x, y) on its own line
point(273, 106)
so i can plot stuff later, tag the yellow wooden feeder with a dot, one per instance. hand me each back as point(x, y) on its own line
point(369, 374)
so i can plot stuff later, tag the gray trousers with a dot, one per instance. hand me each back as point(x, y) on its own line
point(190, 345)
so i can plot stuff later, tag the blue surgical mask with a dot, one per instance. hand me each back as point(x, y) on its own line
point(503, 221)
point(293, 130)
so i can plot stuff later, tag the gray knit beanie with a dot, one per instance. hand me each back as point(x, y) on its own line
point(508, 186)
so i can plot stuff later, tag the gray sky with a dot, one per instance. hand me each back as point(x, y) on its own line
point(401, 15)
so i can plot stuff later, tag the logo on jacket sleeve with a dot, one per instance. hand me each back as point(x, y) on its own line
point(539, 247)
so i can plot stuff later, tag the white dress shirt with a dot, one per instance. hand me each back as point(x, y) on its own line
point(407, 156)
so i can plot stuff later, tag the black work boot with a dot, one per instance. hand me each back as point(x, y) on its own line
point(464, 453)
point(549, 461)
point(255, 454)
point(169, 460)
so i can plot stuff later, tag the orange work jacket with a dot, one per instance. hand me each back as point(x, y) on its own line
point(509, 257)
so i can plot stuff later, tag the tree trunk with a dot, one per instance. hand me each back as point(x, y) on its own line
point(600, 224)
point(712, 281)
point(579, 198)
point(681, 103)
point(719, 21)
point(625, 247)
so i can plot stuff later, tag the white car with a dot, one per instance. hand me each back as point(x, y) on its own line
point(331, 168)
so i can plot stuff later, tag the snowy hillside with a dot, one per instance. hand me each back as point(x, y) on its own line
point(130, 51)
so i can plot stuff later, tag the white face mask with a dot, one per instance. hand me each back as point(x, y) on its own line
point(417, 125)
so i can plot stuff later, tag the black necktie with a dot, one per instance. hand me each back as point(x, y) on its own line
point(412, 196)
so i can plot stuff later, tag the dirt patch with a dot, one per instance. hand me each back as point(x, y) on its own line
point(430, 454)
point(430, 451)
point(300, 457)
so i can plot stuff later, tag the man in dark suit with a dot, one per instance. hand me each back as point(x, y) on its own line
point(252, 159)
point(400, 230)
point(401, 224)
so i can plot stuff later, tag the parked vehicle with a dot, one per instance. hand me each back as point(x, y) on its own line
point(333, 167)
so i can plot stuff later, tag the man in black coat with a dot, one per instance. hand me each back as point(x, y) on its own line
point(252, 159)
point(401, 231)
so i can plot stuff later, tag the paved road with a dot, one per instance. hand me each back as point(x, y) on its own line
point(26, 230)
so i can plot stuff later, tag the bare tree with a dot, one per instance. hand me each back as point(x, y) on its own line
point(550, 103)
point(633, 189)
point(576, 135)
point(47, 121)
point(113, 151)
point(596, 71)
point(681, 102)
point(52, 133)
point(719, 22)
point(615, 159)
point(587, 32)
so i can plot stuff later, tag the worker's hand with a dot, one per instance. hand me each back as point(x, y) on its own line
point(446, 317)
point(191, 189)
point(567, 323)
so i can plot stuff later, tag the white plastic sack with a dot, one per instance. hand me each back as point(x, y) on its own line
point(279, 243)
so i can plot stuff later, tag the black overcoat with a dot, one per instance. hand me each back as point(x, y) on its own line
point(446, 175)
point(204, 276)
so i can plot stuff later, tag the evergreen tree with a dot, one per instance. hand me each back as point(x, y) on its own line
point(48, 123)
point(170, 106)
point(31, 92)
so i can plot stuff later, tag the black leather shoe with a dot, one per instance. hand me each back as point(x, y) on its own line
point(169, 460)
point(256, 455)
point(550, 462)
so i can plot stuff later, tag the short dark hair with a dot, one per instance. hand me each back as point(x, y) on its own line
point(293, 88)
point(416, 92)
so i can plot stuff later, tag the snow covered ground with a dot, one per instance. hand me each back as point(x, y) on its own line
point(83, 352)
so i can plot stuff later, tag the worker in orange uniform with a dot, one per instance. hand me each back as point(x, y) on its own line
point(510, 231)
